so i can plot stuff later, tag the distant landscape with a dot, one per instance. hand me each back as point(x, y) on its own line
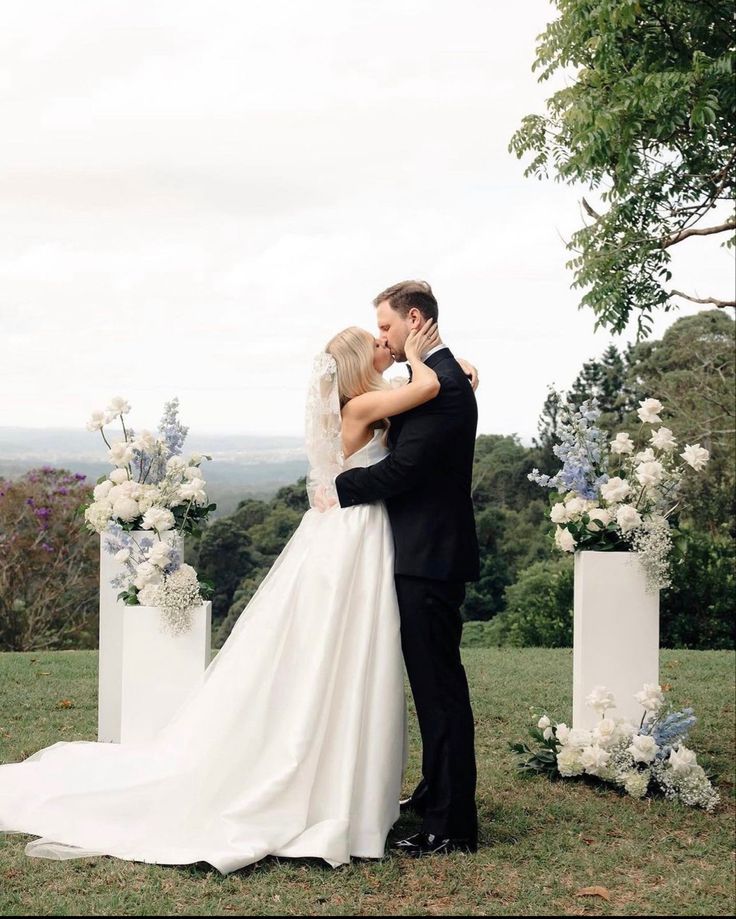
point(243, 465)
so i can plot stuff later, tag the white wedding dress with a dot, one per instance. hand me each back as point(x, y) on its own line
point(294, 744)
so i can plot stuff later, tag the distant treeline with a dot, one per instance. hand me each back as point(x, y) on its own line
point(49, 563)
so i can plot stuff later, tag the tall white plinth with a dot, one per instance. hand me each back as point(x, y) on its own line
point(159, 669)
point(615, 635)
point(110, 660)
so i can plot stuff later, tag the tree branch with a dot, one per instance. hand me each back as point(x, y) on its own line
point(696, 231)
point(713, 300)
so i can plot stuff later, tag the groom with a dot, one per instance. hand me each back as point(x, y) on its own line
point(426, 484)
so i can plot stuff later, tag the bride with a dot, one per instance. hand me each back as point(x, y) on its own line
point(295, 741)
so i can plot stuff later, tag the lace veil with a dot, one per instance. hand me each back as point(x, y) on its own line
point(323, 427)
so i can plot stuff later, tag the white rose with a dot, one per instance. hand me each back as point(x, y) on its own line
point(125, 509)
point(662, 439)
point(543, 723)
point(176, 465)
point(605, 731)
point(594, 759)
point(651, 697)
point(622, 443)
point(118, 476)
point(615, 489)
point(96, 422)
point(564, 539)
point(102, 490)
point(643, 748)
point(193, 472)
point(122, 556)
point(650, 473)
point(145, 441)
point(568, 762)
point(695, 456)
point(600, 517)
point(160, 554)
point(193, 491)
point(628, 518)
point(575, 505)
point(150, 495)
point(649, 411)
point(147, 574)
point(121, 453)
point(682, 760)
point(600, 699)
point(646, 456)
point(158, 518)
point(118, 406)
point(563, 733)
point(578, 737)
point(195, 459)
point(559, 513)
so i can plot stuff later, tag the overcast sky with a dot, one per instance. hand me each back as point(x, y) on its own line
point(194, 197)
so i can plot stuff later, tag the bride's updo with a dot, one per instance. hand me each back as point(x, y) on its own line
point(353, 352)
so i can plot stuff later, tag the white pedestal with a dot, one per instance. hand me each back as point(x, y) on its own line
point(110, 679)
point(616, 634)
point(158, 669)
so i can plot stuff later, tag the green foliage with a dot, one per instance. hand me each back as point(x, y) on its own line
point(647, 115)
point(539, 607)
point(697, 610)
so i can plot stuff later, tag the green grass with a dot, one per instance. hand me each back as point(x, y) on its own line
point(540, 841)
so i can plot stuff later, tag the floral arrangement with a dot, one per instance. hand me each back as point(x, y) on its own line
point(647, 759)
point(152, 487)
point(617, 495)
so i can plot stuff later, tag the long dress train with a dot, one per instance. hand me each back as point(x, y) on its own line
point(293, 744)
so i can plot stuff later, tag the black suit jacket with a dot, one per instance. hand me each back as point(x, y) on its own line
point(426, 480)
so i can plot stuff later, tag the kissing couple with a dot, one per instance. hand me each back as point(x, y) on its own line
point(294, 744)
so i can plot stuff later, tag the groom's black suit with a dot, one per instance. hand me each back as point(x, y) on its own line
point(426, 484)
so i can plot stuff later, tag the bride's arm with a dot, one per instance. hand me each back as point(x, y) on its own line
point(470, 371)
point(385, 403)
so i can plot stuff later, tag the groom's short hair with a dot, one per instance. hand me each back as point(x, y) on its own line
point(408, 295)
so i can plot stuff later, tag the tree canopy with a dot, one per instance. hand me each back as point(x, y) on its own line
point(648, 120)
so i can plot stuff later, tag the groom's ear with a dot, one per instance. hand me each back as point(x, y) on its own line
point(415, 318)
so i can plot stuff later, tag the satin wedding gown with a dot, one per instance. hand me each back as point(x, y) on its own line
point(293, 744)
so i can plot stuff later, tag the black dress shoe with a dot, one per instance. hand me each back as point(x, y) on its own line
point(430, 844)
point(407, 843)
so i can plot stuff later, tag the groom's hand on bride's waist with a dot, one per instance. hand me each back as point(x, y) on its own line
point(322, 500)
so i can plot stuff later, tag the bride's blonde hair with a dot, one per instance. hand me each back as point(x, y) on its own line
point(353, 352)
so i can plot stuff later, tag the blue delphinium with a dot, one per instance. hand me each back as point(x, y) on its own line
point(581, 450)
point(670, 730)
point(173, 434)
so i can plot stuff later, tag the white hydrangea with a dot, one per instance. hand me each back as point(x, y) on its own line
point(102, 490)
point(98, 515)
point(125, 509)
point(118, 476)
point(569, 762)
point(636, 782)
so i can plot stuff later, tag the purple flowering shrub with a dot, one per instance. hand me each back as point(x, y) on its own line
point(49, 563)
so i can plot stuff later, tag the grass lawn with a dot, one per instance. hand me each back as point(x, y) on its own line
point(540, 842)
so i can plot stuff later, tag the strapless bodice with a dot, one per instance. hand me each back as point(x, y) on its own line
point(373, 452)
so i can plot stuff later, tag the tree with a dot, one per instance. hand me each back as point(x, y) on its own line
point(649, 119)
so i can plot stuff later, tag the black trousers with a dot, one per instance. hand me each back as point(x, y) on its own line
point(431, 627)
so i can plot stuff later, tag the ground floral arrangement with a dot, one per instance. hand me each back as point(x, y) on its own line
point(649, 759)
point(152, 487)
point(618, 495)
